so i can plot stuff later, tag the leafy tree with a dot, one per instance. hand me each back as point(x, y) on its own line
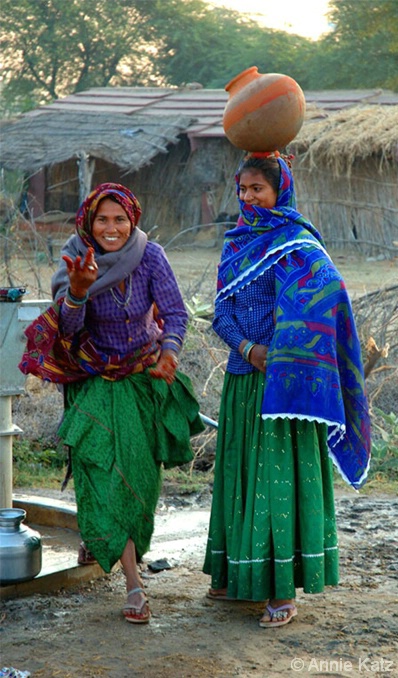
point(211, 47)
point(361, 51)
point(279, 52)
point(51, 47)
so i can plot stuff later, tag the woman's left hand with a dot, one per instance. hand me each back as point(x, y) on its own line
point(166, 367)
point(258, 357)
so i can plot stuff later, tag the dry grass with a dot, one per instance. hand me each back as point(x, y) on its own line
point(350, 135)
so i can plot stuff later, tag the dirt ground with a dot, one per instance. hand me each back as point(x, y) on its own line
point(349, 630)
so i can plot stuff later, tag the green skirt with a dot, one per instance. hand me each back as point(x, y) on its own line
point(120, 433)
point(272, 525)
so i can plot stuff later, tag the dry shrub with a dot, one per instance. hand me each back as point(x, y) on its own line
point(38, 411)
point(203, 359)
point(376, 316)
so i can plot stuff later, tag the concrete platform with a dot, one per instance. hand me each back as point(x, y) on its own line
point(59, 531)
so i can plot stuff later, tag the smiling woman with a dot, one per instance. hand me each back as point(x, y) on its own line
point(307, 17)
point(111, 226)
point(254, 189)
point(112, 337)
point(293, 398)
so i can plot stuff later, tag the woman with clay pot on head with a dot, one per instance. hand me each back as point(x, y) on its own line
point(113, 336)
point(293, 398)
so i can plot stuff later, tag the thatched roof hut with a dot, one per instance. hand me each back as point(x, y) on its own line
point(346, 171)
point(168, 145)
point(130, 142)
point(342, 138)
point(64, 154)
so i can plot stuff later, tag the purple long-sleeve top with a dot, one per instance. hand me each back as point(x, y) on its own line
point(121, 323)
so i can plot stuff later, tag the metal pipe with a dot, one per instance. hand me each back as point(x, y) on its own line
point(7, 431)
point(208, 421)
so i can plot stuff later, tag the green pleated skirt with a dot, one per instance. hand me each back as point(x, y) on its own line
point(120, 434)
point(272, 526)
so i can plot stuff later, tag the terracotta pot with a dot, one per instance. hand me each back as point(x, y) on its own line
point(264, 112)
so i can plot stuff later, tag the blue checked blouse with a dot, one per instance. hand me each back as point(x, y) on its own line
point(248, 314)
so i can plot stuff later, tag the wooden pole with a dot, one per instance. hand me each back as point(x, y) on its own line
point(86, 166)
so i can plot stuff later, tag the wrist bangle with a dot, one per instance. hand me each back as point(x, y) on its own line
point(247, 350)
point(70, 304)
point(75, 300)
point(172, 337)
point(166, 341)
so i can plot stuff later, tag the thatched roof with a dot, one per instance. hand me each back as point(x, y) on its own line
point(128, 141)
point(340, 138)
point(205, 105)
point(365, 124)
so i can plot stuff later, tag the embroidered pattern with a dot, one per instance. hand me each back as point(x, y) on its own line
point(314, 367)
point(63, 360)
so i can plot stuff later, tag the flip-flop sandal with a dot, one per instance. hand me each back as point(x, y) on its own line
point(85, 557)
point(278, 613)
point(137, 617)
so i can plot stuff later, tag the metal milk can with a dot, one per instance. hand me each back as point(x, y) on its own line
point(20, 548)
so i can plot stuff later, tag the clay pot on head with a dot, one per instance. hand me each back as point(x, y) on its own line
point(264, 111)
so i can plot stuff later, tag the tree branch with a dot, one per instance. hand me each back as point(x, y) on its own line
point(37, 77)
point(374, 353)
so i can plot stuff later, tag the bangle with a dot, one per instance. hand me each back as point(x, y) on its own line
point(69, 305)
point(176, 336)
point(247, 350)
point(172, 337)
point(75, 300)
point(167, 340)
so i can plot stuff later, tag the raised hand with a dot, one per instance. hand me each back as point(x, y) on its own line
point(82, 273)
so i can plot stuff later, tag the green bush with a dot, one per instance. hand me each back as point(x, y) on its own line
point(34, 465)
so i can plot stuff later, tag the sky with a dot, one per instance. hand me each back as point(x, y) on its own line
point(304, 17)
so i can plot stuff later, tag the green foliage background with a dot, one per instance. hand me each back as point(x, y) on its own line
point(51, 48)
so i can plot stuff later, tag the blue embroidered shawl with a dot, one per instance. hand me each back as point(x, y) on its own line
point(314, 367)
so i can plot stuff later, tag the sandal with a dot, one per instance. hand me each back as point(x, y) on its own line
point(85, 557)
point(282, 614)
point(134, 614)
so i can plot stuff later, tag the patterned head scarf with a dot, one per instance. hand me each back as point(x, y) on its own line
point(112, 266)
point(88, 209)
point(262, 236)
point(286, 193)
